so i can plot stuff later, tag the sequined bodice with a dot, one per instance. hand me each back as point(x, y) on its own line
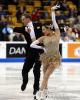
point(51, 45)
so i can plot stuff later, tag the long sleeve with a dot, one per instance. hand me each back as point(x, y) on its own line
point(54, 20)
point(53, 16)
point(35, 45)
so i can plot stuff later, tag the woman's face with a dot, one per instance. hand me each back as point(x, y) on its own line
point(46, 31)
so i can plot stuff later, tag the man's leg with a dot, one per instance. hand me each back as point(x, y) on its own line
point(36, 71)
point(26, 68)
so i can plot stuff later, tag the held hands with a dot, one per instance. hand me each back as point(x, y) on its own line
point(55, 7)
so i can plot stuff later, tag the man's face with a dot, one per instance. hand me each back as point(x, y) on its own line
point(25, 20)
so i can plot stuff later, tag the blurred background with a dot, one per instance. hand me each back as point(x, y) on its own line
point(68, 16)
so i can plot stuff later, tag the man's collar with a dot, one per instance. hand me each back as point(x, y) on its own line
point(30, 23)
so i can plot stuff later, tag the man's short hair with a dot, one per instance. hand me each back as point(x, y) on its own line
point(26, 15)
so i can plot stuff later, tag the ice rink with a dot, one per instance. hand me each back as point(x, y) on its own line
point(64, 83)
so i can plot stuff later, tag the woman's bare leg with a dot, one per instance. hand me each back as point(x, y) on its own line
point(47, 74)
point(44, 71)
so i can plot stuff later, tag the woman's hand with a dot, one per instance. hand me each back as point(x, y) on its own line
point(55, 7)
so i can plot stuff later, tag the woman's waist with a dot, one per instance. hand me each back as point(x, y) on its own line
point(51, 54)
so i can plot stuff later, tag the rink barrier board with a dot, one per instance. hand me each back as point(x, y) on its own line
point(70, 52)
point(21, 60)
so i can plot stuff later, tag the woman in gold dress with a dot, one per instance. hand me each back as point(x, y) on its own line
point(51, 56)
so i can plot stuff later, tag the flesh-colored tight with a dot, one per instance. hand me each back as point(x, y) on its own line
point(48, 68)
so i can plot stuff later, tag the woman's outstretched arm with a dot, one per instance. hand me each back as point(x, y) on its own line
point(54, 23)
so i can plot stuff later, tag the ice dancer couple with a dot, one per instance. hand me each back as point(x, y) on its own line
point(51, 58)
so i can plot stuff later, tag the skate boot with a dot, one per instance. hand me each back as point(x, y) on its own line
point(46, 93)
point(40, 95)
point(35, 97)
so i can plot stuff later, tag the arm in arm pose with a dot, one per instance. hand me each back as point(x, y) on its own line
point(36, 42)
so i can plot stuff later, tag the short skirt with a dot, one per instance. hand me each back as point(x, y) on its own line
point(47, 58)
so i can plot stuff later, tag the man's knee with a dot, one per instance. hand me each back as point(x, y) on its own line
point(36, 74)
point(23, 72)
point(37, 65)
point(26, 68)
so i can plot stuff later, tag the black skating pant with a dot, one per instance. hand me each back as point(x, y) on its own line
point(32, 58)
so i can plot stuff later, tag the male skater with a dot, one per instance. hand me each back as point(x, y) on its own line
point(31, 31)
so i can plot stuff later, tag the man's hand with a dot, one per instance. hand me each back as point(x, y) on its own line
point(27, 29)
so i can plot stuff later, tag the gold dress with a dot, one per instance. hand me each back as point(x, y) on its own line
point(52, 54)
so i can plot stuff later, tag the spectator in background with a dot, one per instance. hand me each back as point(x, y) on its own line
point(77, 24)
point(46, 3)
point(68, 39)
point(30, 2)
point(70, 35)
point(59, 15)
point(77, 32)
point(7, 31)
point(62, 26)
point(46, 14)
point(72, 11)
point(78, 18)
point(3, 24)
point(35, 15)
point(3, 20)
point(72, 14)
point(2, 12)
point(18, 36)
point(21, 10)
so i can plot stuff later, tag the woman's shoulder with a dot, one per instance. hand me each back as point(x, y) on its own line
point(42, 38)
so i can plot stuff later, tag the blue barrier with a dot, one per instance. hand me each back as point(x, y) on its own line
point(13, 60)
point(20, 60)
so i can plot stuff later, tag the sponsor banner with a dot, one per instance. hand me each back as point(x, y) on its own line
point(15, 50)
point(73, 50)
point(2, 50)
point(19, 50)
point(10, 51)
